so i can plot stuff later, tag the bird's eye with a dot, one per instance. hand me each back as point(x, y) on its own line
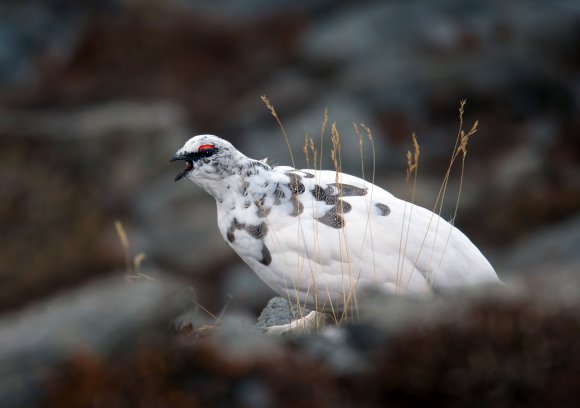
point(206, 150)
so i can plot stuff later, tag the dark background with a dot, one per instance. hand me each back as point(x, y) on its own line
point(95, 96)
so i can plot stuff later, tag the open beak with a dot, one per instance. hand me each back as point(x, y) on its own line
point(188, 165)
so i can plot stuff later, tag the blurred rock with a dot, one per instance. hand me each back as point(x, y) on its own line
point(102, 318)
point(244, 289)
point(346, 349)
point(343, 111)
point(485, 326)
point(239, 342)
point(550, 253)
point(484, 342)
point(39, 27)
point(70, 175)
point(381, 44)
point(97, 121)
point(517, 169)
point(254, 9)
point(178, 225)
point(389, 312)
point(392, 313)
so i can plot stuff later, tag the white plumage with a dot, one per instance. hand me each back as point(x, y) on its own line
point(316, 237)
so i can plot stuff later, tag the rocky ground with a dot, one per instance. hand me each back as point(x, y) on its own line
point(96, 96)
point(503, 347)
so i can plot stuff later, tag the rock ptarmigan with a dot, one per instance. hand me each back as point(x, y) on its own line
point(316, 237)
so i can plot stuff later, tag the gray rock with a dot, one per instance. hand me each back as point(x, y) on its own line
point(277, 312)
point(551, 252)
point(102, 317)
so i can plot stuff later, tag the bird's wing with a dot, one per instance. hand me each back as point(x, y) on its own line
point(349, 226)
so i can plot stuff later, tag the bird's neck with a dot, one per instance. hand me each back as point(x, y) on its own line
point(245, 184)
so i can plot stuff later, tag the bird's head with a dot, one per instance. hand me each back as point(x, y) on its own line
point(207, 157)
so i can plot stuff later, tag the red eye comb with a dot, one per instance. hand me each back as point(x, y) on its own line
point(205, 147)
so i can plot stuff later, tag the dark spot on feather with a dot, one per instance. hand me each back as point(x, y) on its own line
point(293, 176)
point(266, 256)
point(343, 207)
point(383, 209)
point(262, 211)
point(278, 195)
point(298, 207)
point(233, 226)
point(307, 175)
point(258, 163)
point(245, 185)
point(332, 219)
point(296, 187)
point(319, 193)
point(257, 231)
point(346, 190)
point(331, 199)
point(299, 189)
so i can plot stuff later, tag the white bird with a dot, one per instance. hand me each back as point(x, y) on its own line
point(316, 237)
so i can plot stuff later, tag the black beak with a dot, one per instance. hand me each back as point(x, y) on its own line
point(176, 157)
point(188, 165)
